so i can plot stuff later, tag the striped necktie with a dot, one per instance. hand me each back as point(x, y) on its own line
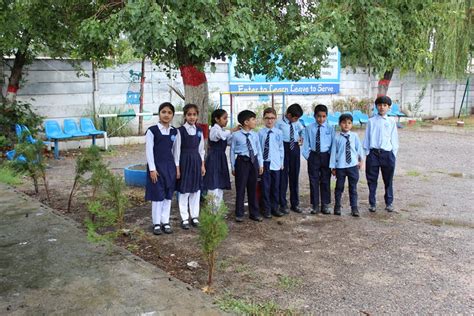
point(266, 148)
point(318, 140)
point(249, 147)
point(292, 137)
point(348, 148)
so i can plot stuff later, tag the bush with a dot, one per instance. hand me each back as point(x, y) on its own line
point(17, 113)
point(351, 104)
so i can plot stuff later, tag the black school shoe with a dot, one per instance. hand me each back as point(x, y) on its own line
point(185, 225)
point(167, 228)
point(284, 210)
point(239, 219)
point(267, 215)
point(157, 229)
point(325, 210)
point(195, 221)
point(296, 209)
point(277, 213)
point(355, 212)
point(372, 208)
point(257, 218)
point(389, 208)
point(337, 210)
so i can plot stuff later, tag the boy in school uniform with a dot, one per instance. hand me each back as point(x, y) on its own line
point(318, 138)
point(271, 142)
point(345, 161)
point(247, 163)
point(381, 147)
point(292, 131)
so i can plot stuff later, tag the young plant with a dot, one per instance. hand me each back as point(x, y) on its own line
point(84, 163)
point(33, 163)
point(212, 231)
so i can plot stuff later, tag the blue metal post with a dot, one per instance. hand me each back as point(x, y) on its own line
point(56, 149)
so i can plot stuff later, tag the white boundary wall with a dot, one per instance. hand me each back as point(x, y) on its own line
point(56, 92)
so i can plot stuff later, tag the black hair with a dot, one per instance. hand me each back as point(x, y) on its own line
point(217, 114)
point(166, 105)
point(295, 110)
point(344, 117)
point(383, 99)
point(244, 116)
point(190, 106)
point(320, 108)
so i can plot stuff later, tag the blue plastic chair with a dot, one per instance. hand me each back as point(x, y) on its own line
point(395, 110)
point(362, 117)
point(54, 133)
point(22, 129)
point(87, 126)
point(70, 128)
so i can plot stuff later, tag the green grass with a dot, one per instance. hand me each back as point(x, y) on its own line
point(246, 307)
point(413, 173)
point(8, 175)
point(287, 282)
point(223, 264)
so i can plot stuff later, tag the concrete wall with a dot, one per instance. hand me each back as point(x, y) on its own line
point(56, 92)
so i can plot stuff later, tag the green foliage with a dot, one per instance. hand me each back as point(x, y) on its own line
point(17, 113)
point(229, 303)
point(116, 126)
point(351, 104)
point(415, 108)
point(212, 231)
point(288, 282)
point(35, 165)
point(9, 175)
point(85, 162)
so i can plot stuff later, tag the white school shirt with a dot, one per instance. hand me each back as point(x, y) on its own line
point(191, 129)
point(217, 133)
point(150, 143)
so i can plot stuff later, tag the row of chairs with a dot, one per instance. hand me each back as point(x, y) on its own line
point(71, 129)
point(358, 118)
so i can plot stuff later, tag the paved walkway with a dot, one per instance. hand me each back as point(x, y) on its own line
point(47, 266)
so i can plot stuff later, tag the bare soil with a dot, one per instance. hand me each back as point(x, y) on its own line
point(418, 259)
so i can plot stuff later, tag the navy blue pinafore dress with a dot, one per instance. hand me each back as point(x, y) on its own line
point(190, 162)
point(217, 170)
point(164, 163)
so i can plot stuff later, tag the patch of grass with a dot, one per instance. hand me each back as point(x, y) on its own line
point(223, 264)
point(287, 282)
point(133, 247)
point(413, 173)
point(8, 175)
point(456, 174)
point(242, 268)
point(231, 304)
point(449, 222)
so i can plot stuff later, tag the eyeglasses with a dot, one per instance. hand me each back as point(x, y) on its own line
point(269, 118)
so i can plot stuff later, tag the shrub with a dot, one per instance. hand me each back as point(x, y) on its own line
point(351, 104)
point(17, 113)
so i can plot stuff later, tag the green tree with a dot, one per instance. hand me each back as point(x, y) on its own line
point(428, 37)
point(265, 35)
point(30, 28)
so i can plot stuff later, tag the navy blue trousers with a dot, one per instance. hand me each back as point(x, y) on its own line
point(384, 161)
point(319, 179)
point(246, 175)
point(290, 176)
point(270, 188)
point(352, 175)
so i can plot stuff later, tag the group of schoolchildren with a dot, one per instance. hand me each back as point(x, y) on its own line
point(176, 162)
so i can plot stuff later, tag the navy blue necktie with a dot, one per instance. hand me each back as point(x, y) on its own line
point(266, 148)
point(348, 148)
point(249, 147)
point(318, 140)
point(292, 137)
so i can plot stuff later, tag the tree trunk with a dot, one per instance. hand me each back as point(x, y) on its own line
point(142, 93)
point(196, 89)
point(15, 76)
point(384, 83)
point(2, 79)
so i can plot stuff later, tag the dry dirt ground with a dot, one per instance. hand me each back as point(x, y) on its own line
point(418, 259)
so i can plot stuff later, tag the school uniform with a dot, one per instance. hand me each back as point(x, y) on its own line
point(381, 147)
point(273, 154)
point(291, 134)
point(317, 143)
point(217, 176)
point(189, 155)
point(245, 158)
point(346, 152)
point(159, 155)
